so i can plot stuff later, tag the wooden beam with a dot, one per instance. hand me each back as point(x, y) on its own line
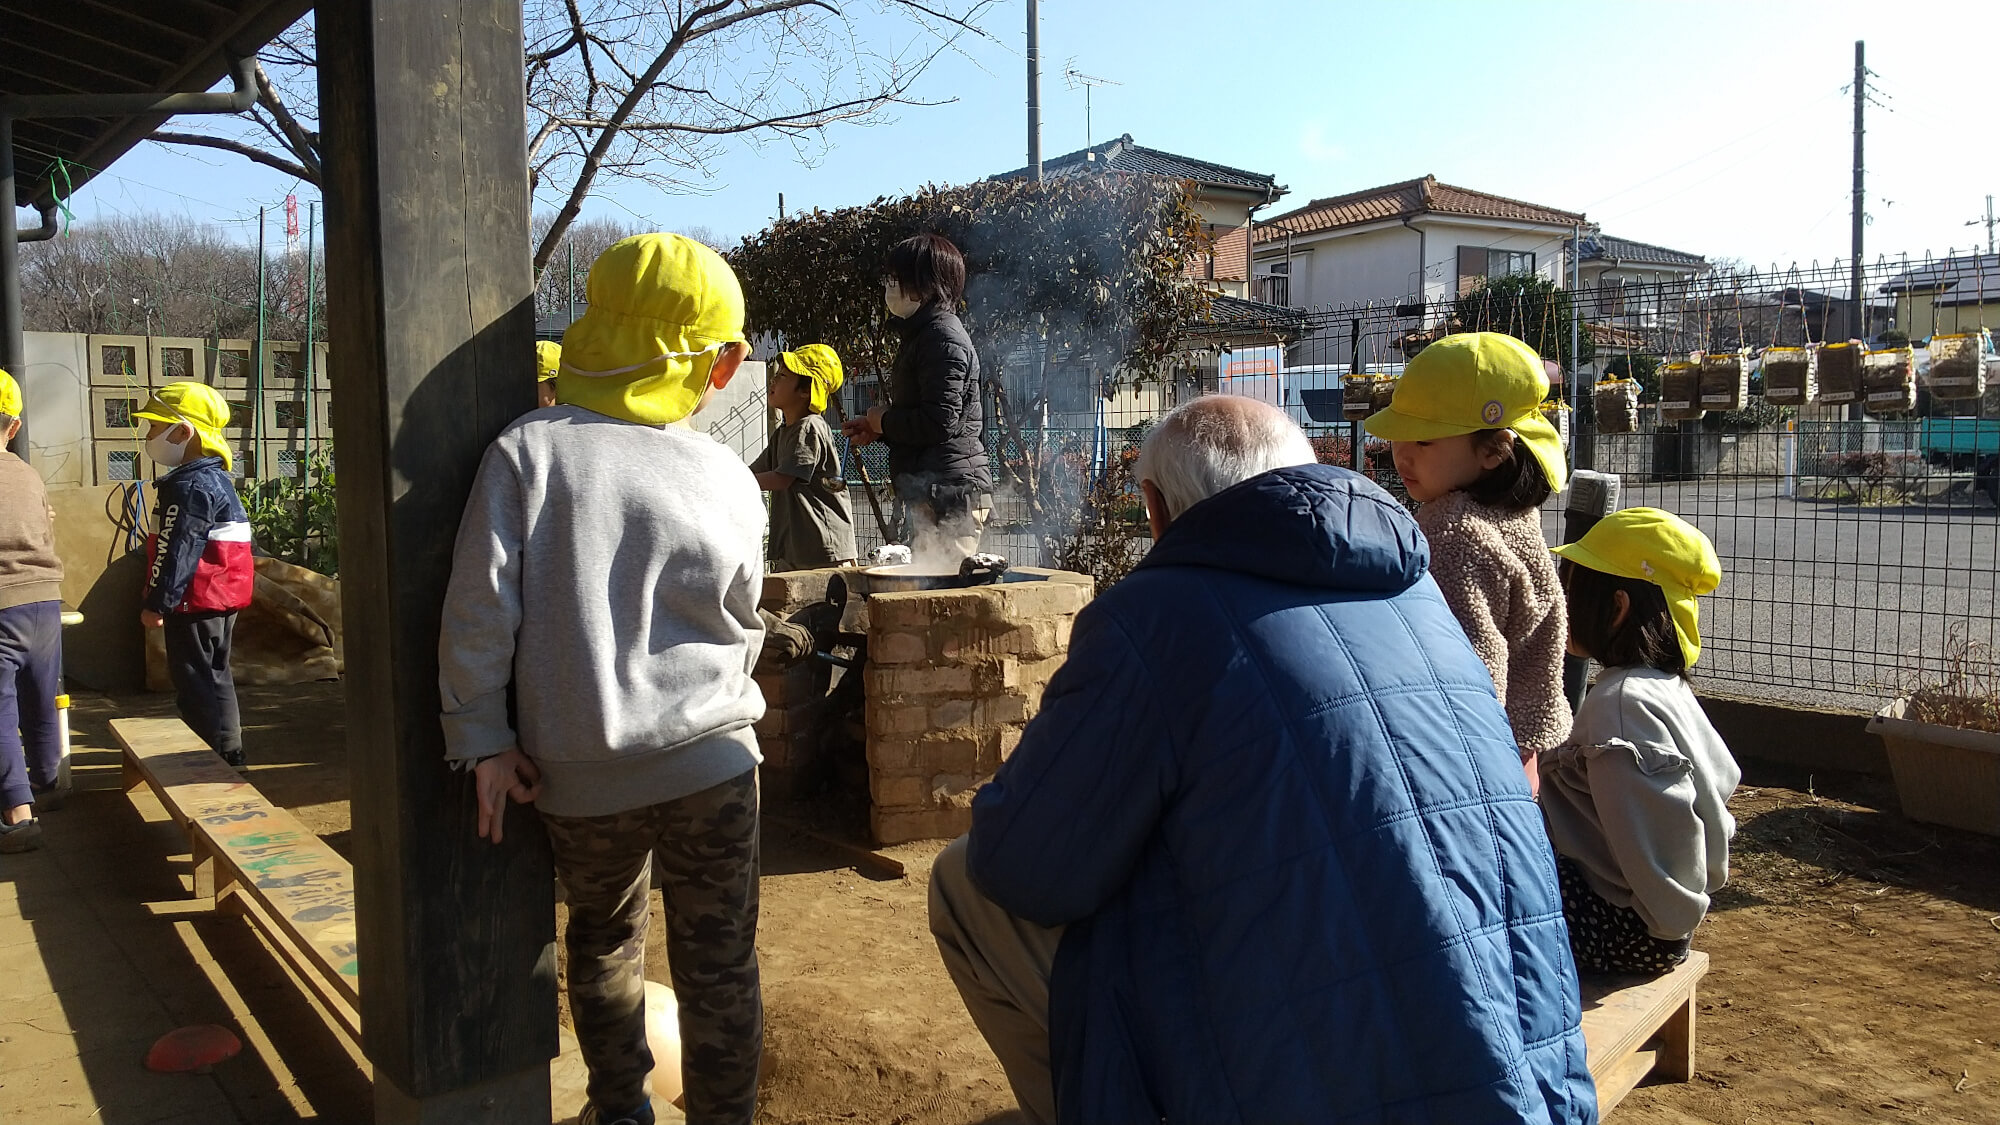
point(430, 298)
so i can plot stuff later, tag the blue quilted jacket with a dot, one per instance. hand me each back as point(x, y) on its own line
point(1274, 799)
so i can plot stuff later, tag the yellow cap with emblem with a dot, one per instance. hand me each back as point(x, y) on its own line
point(200, 407)
point(1658, 547)
point(10, 395)
point(548, 358)
point(1475, 381)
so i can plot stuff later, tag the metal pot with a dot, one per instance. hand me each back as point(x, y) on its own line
point(978, 570)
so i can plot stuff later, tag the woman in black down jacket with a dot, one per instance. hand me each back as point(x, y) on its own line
point(932, 420)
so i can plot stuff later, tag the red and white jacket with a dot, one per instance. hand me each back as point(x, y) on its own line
point(199, 558)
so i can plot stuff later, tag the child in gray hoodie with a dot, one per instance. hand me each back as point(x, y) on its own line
point(1637, 801)
point(607, 574)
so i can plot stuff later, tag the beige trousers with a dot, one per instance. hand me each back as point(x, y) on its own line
point(1001, 966)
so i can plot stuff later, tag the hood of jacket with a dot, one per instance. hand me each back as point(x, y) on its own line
point(1310, 525)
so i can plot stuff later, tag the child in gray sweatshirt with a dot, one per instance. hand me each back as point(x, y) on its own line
point(1637, 801)
point(607, 575)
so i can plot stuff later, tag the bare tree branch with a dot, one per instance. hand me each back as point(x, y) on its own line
point(650, 91)
point(963, 23)
point(804, 121)
point(734, 18)
point(595, 159)
point(248, 151)
point(303, 145)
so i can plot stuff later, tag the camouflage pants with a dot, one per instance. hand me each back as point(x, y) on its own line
point(703, 848)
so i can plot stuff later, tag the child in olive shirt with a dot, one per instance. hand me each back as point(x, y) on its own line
point(812, 525)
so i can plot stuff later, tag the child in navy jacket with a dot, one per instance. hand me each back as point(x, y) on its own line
point(199, 570)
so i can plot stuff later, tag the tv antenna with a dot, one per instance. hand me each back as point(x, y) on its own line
point(1076, 79)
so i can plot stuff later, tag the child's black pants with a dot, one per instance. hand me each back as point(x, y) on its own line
point(198, 661)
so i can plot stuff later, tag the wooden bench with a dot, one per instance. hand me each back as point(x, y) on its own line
point(1633, 1030)
point(255, 858)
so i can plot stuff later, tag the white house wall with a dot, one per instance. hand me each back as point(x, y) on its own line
point(1380, 264)
point(1442, 240)
point(1375, 265)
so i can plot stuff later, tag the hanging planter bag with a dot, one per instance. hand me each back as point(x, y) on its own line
point(1381, 392)
point(1889, 377)
point(1680, 392)
point(1617, 404)
point(1840, 372)
point(1725, 380)
point(1791, 376)
point(1958, 365)
point(1557, 414)
point(1357, 398)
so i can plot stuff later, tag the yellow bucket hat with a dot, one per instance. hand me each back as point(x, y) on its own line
point(820, 365)
point(10, 395)
point(1475, 381)
point(662, 307)
point(548, 357)
point(199, 406)
point(1658, 547)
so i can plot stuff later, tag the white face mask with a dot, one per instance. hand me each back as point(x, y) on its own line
point(899, 306)
point(166, 452)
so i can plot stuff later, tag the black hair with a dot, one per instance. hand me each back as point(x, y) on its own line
point(928, 268)
point(1516, 484)
point(1646, 636)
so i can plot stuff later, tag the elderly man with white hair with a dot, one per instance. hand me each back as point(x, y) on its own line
point(1267, 854)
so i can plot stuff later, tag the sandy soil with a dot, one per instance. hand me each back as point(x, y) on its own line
point(1855, 976)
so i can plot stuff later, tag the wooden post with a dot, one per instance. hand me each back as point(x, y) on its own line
point(202, 857)
point(1677, 1043)
point(429, 299)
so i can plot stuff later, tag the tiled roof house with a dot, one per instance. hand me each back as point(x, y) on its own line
point(1415, 240)
point(1955, 294)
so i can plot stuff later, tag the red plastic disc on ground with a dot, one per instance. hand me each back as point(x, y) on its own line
point(192, 1048)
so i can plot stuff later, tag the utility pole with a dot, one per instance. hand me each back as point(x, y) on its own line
point(1575, 346)
point(1854, 267)
point(1988, 224)
point(1034, 90)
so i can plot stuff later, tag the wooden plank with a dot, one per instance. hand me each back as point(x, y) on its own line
point(430, 301)
point(244, 845)
point(1621, 1078)
point(1627, 1023)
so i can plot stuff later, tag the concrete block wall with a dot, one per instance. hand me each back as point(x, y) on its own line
point(953, 676)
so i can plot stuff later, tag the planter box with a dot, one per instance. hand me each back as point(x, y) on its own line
point(1944, 775)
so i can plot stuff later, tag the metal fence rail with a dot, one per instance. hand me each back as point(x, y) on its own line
point(1850, 557)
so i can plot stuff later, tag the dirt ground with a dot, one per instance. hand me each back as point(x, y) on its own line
point(1855, 973)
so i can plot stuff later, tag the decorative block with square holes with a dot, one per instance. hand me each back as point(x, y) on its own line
point(111, 413)
point(118, 361)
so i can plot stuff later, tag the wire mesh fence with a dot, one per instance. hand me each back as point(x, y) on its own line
point(1857, 517)
point(1852, 551)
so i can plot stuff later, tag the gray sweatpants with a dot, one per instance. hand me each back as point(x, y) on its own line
point(1001, 965)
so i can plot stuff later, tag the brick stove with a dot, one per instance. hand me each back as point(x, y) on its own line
point(950, 679)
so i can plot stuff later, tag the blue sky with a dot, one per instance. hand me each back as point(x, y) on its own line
point(1717, 128)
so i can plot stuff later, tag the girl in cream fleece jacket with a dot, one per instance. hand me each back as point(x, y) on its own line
point(1482, 515)
point(1473, 446)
